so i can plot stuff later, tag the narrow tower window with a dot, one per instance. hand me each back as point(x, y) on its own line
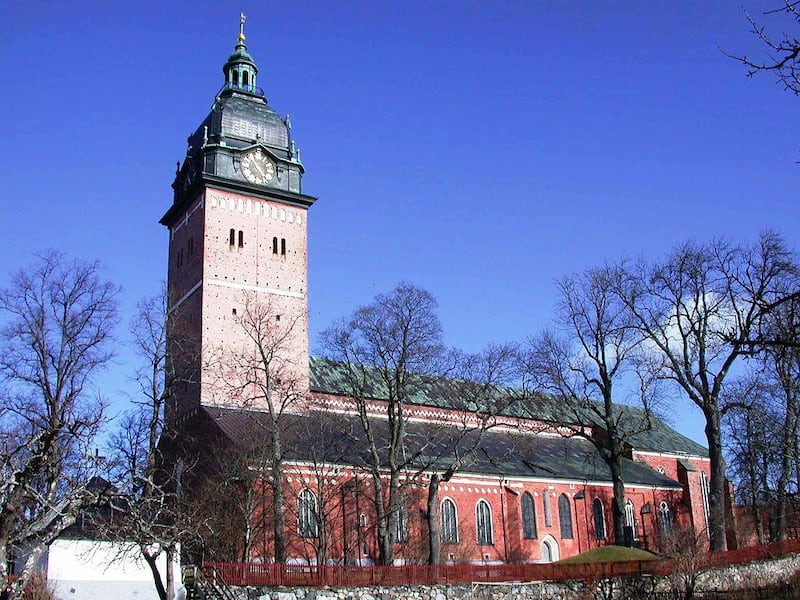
point(241, 239)
point(274, 245)
point(235, 76)
point(232, 237)
point(245, 80)
point(283, 246)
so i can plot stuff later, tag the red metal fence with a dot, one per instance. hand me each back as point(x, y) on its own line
point(338, 576)
point(258, 574)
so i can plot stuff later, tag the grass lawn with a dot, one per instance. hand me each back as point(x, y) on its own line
point(610, 554)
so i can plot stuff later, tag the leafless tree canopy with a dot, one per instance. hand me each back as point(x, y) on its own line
point(700, 310)
point(147, 507)
point(586, 362)
point(782, 52)
point(397, 341)
point(57, 319)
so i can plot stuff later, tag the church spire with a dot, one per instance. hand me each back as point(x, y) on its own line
point(240, 70)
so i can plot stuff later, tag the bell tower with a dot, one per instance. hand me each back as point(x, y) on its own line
point(237, 243)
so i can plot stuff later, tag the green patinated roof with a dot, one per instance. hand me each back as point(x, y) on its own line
point(331, 377)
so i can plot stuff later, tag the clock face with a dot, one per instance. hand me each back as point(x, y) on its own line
point(257, 167)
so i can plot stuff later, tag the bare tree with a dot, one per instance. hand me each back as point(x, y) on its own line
point(262, 372)
point(750, 443)
point(149, 510)
point(586, 363)
point(700, 310)
point(686, 549)
point(58, 318)
point(476, 390)
point(391, 348)
point(782, 53)
point(765, 421)
point(325, 444)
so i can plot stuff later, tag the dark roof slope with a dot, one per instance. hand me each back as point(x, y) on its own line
point(332, 438)
point(330, 377)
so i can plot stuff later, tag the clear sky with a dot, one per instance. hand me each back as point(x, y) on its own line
point(478, 149)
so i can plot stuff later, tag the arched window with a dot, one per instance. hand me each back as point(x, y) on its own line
point(307, 524)
point(704, 490)
point(449, 522)
point(232, 237)
point(245, 79)
point(236, 78)
point(548, 515)
point(528, 517)
point(241, 239)
point(483, 521)
point(565, 517)
point(630, 519)
point(274, 245)
point(599, 519)
point(402, 524)
point(665, 518)
point(283, 246)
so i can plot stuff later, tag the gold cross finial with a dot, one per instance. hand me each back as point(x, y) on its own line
point(242, 19)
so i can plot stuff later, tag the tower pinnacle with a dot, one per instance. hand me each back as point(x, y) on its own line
point(240, 70)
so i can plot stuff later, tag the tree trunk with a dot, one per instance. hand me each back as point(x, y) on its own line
point(716, 496)
point(170, 573)
point(618, 501)
point(152, 563)
point(432, 516)
point(279, 514)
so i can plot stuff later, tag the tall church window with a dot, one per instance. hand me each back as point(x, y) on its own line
point(565, 517)
point(241, 239)
point(599, 519)
point(232, 237)
point(235, 78)
point(274, 245)
point(704, 489)
point(630, 519)
point(245, 80)
point(283, 246)
point(548, 514)
point(483, 522)
point(449, 522)
point(665, 518)
point(528, 517)
point(307, 523)
point(402, 523)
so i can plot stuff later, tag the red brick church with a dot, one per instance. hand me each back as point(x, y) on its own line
point(238, 252)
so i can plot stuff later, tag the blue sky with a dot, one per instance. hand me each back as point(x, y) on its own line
point(480, 150)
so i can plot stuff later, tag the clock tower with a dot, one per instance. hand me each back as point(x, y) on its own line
point(237, 246)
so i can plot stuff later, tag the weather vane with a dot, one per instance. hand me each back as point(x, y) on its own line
point(242, 19)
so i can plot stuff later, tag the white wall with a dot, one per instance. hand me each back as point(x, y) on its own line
point(94, 570)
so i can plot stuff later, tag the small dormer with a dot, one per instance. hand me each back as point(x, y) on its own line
point(240, 70)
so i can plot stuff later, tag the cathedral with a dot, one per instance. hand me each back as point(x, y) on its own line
point(238, 341)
